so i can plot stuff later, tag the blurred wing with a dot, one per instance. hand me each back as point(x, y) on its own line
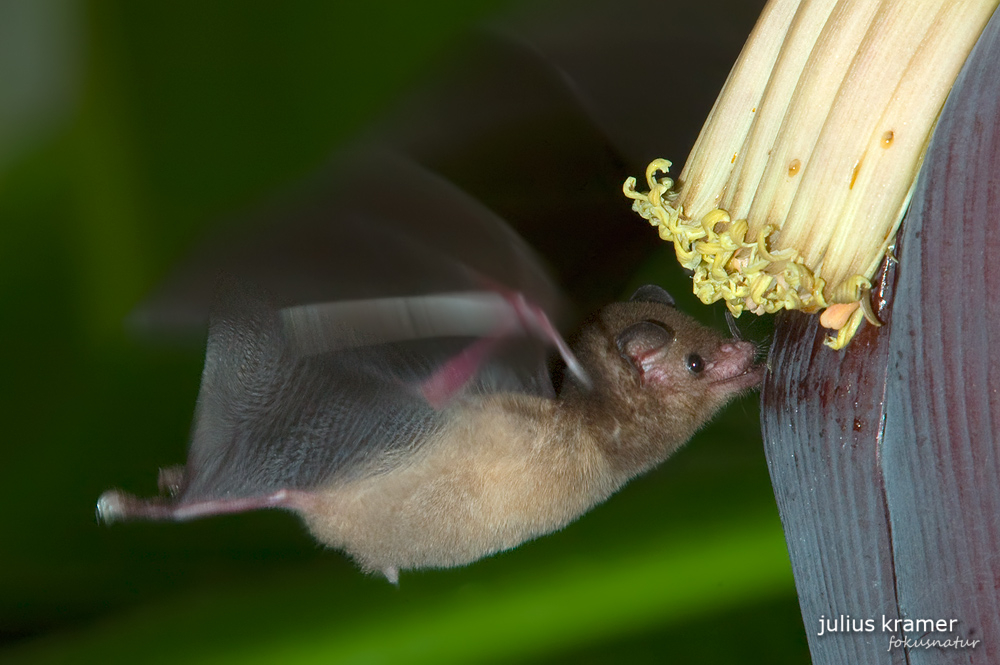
point(271, 417)
point(646, 74)
point(388, 298)
point(298, 398)
point(543, 115)
point(373, 225)
point(376, 318)
point(536, 120)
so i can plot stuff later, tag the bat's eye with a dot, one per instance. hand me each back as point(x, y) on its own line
point(695, 364)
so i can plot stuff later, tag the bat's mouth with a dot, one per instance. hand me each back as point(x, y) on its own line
point(750, 378)
point(734, 368)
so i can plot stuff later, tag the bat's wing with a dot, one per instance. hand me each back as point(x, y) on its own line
point(646, 73)
point(544, 114)
point(374, 224)
point(537, 119)
point(300, 390)
point(300, 397)
point(273, 420)
point(297, 398)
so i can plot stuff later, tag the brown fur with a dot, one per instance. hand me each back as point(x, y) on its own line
point(510, 468)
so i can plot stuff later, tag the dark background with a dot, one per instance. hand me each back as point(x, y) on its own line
point(129, 128)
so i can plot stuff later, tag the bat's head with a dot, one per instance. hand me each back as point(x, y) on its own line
point(663, 350)
point(660, 369)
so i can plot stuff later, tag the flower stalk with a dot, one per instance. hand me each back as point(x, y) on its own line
point(802, 173)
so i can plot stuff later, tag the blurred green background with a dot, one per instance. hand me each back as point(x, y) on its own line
point(127, 128)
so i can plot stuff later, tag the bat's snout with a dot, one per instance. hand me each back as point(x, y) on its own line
point(734, 366)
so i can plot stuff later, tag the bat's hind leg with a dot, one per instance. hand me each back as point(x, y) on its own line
point(117, 506)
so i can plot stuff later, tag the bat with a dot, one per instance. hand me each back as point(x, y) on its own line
point(433, 452)
point(378, 363)
point(418, 430)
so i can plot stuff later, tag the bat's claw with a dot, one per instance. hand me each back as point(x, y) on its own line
point(171, 479)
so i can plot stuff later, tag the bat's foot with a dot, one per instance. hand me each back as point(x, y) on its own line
point(109, 507)
point(391, 574)
point(171, 480)
point(116, 506)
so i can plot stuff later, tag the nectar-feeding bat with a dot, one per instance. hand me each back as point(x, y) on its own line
point(379, 361)
point(426, 431)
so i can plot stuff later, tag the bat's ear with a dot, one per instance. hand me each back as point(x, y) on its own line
point(652, 293)
point(641, 339)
